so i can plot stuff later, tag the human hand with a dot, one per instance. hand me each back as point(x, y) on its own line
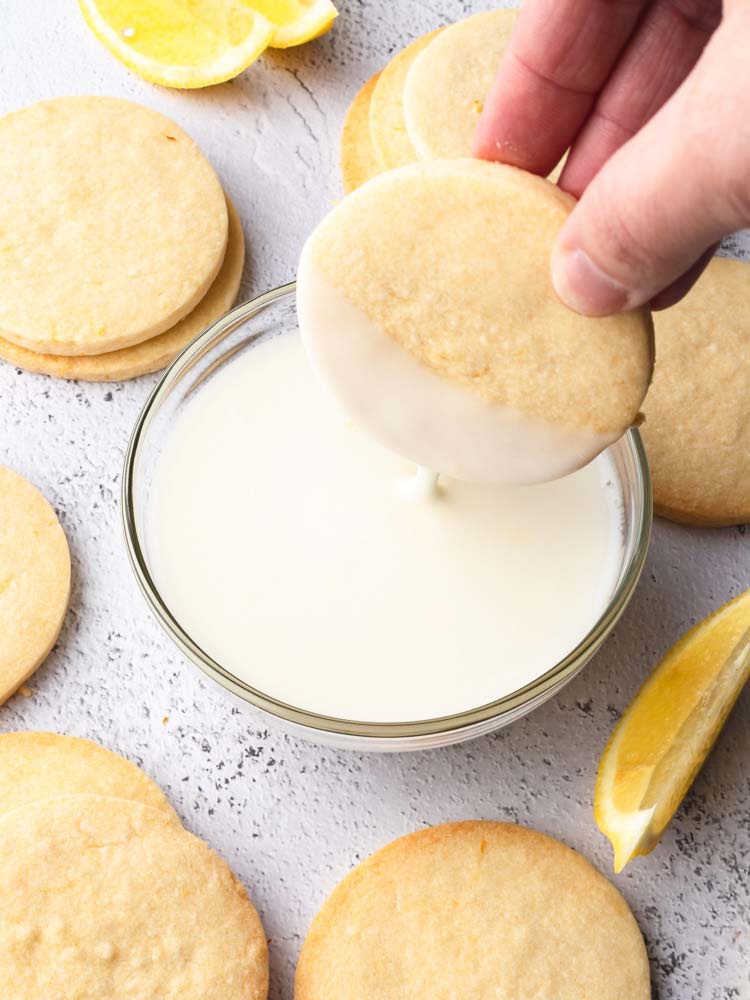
point(653, 96)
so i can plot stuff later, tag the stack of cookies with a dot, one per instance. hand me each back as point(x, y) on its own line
point(118, 244)
point(426, 103)
point(104, 895)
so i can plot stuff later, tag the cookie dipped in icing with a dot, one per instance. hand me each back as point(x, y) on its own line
point(425, 302)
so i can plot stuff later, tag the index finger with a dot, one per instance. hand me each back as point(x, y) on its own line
point(560, 56)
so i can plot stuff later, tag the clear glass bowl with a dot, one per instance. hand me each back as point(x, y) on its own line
point(267, 316)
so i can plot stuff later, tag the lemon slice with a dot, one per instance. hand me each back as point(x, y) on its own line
point(668, 729)
point(181, 43)
point(297, 21)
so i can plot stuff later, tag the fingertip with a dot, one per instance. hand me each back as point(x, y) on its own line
point(583, 286)
point(483, 145)
point(489, 141)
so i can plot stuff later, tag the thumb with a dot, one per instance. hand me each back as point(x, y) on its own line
point(676, 188)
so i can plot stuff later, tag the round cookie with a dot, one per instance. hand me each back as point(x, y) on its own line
point(111, 900)
point(474, 909)
point(156, 353)
point(359, 158)
point(425, 301)
point(36, 766)
point(34, 580)
point(446, 85)
point(113, 224)
point(697, 426)
point(387, 120)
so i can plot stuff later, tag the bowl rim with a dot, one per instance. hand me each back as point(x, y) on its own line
point(509, 705)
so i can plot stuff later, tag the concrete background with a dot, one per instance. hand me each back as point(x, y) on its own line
point(292, 818)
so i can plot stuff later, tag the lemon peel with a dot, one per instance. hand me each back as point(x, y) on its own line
point(184, 44)
point(663, 738)
point(296, 21)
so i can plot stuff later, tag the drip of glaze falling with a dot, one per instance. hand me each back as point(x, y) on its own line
point(423, 485)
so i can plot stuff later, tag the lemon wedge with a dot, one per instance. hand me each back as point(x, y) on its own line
point(181, 43)
point(297, 21)
point(668, 730)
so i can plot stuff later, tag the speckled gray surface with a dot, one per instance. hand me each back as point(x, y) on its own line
point(289, 817)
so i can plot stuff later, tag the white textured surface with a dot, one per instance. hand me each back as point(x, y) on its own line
point(292, 818)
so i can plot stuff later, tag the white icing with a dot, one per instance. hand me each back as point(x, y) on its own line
point(422, 484)
point(313, 564)
point(420, 414)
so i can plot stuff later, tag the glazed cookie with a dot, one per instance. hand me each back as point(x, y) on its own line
point(153, 354)
point(114, 226)
point(697, 426)
point(387, 121)
point(475, 909)
point(446, 85)
point(37, 766)
point(359, 158)
point(34, 580)
point(111, 900)
point(425, 301)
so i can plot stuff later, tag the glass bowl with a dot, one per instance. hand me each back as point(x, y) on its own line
point(272, 314)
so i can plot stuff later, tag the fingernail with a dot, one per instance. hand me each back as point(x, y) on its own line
point(584, 287)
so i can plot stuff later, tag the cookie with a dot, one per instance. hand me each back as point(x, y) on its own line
point(359, 158)
point(697, 426)
point(453, 81)
point(37, 766)
point(113, 224)
point(474, 909)
point(387, 121)
point(111, 900)
point(425, 302)
point(156, 353)
point(446, 85)
point(34, 580)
